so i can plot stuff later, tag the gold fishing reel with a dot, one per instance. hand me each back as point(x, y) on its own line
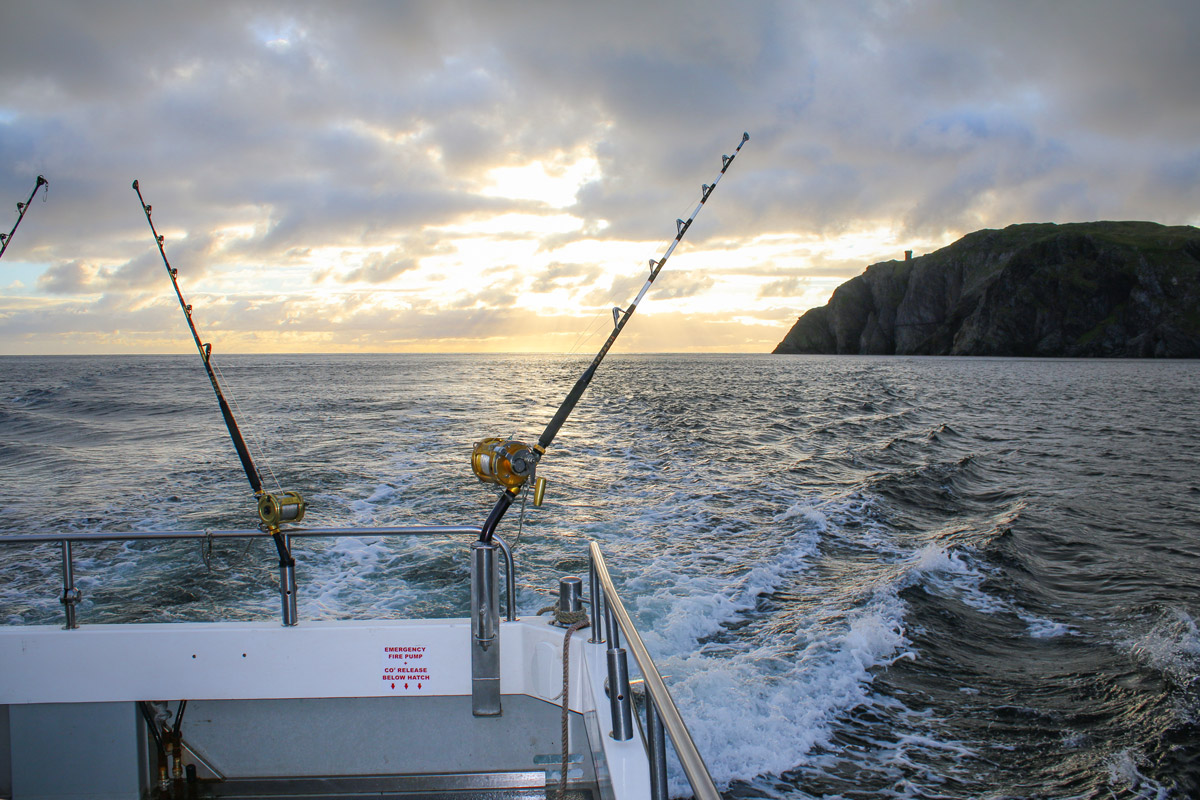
point(509, 464)
point(276, 509)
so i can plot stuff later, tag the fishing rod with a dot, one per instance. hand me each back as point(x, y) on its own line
point(509, 463)
point(5, 238)
point(273, 509)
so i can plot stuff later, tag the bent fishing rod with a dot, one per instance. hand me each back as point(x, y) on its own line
point(273, 509)
point(511, 464)
point(5, 238)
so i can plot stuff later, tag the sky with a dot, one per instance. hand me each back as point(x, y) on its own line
point(494, 177)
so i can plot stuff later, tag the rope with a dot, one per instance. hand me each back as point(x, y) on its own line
point(565, 618)
point(576, 620)
point(566, 695)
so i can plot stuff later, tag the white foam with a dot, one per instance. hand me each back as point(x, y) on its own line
point(814, 517)
point(366, 509)
point(1123, 773)
point(763, 710)
point(933, 558)
point(1171, 645)
point(1041, 628)
point(674, 618)
point(953, 571)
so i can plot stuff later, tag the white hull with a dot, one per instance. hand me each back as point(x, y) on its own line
point(314, 705)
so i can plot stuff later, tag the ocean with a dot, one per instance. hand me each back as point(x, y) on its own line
point(864, 577)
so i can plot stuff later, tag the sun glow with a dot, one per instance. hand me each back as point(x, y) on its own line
point(555, 185)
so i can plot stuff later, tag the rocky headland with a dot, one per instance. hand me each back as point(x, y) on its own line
point(1094, 289)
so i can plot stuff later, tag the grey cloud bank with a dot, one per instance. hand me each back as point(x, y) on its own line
point(310, 126)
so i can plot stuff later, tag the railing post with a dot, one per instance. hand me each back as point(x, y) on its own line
point(668, 715)
point(618, 683)
point(485, 631)
point(70, 595)
point(658, 750)
point(611, 627)
point(597, 593)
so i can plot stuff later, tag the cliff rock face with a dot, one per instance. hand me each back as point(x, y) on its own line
point(1109, 289)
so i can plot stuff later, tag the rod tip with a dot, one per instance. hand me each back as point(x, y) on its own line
point(135, 184)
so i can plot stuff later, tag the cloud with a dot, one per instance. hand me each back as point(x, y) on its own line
point(558, 275)
point(73, 277)
point(271, 137)
point(784, 287)
point(379, 268)
point(676, 285)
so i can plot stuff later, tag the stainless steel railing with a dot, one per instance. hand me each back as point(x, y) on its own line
point(660, 708)
point(609, 621)
point(71, 595)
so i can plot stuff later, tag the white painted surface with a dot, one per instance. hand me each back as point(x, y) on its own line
point(225, 660)
point(250, 660)
point(263, 660)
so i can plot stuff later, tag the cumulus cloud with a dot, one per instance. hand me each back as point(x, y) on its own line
point(379, 268)
point(784, 287)
point(72, 277)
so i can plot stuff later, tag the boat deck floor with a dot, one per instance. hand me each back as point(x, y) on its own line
point(547, 793)
point(342, 790)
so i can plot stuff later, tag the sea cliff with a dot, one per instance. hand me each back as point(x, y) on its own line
point(1103, 289)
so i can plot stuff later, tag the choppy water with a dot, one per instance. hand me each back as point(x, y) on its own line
point(865, 577)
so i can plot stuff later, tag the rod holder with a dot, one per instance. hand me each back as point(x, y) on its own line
point(287, 583)
point(71, 595)
point(618, 694)
point(485, 631)
point(657, 741)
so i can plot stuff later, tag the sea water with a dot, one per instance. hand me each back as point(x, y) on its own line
point(862, 577)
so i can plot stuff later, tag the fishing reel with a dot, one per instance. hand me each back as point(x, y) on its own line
point(276, 509)
point(509, 464)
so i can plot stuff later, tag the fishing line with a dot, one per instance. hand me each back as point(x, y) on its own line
point(593, 328)
point(510, 464)
point(521, 519)
point(250, 438)
point(661, 247)
point(273, 509)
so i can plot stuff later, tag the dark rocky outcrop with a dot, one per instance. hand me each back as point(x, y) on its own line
point(1107, 289)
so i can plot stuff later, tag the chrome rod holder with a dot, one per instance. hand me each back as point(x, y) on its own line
point(619, 703)
point(485, 631)
point(657, 741)
point(287, 584)
point(620, 706)
point(71, 595)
